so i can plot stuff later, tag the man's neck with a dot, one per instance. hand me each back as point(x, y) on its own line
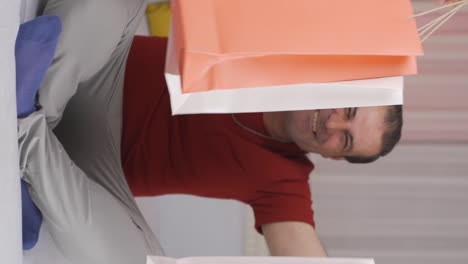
point(275, 124)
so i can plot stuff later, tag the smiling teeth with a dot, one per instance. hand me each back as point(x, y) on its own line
point(314, 124)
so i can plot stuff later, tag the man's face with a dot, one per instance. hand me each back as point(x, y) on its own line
point(338, 133)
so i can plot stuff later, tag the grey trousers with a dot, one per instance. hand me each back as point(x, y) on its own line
point(70, 149)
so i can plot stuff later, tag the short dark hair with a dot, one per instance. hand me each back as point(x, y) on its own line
point(394, 123)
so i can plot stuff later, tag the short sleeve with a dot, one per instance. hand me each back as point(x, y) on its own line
point(288, 200)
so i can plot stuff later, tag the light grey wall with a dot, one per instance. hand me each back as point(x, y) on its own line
point(408, 208)
point(194, 226)
point(10, 206)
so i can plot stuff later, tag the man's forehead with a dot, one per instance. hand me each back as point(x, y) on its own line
point(368, 131)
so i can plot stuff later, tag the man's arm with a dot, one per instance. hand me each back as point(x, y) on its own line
point(293, 239)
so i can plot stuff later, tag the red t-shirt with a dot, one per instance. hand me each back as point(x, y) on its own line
point(205, 155)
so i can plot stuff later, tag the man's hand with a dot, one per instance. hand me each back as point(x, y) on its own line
point(293, 239)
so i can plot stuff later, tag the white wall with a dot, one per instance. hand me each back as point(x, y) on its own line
point(10, 220)
point(194, 226)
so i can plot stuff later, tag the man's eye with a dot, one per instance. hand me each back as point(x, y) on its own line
point(345, 141)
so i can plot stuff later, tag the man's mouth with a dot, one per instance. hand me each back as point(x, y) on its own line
point(315, 122)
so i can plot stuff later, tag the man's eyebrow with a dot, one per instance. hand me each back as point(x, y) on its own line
point(354, 110)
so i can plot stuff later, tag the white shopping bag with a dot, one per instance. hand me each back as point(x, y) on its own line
point(257, 260)
point(360, 93)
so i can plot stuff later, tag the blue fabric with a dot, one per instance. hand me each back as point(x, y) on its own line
point(35, 47)
point(32, 219)
point(34, 51)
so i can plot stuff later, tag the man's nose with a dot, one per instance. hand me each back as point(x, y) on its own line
point(336, 122)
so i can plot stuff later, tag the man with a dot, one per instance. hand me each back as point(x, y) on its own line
point(257, 158)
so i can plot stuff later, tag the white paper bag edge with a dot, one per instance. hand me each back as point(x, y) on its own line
point(160, 260)
point(257, 260)
point(360, 93)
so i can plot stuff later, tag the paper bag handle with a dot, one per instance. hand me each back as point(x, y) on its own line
point(427, 30)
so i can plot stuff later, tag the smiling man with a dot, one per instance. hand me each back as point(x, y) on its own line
point(359, 135)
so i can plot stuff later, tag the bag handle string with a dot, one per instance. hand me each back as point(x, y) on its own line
point(427, 30)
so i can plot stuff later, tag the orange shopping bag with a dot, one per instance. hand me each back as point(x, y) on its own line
point(230, 44)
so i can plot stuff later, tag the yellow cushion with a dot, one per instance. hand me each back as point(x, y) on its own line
point(159, 19)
